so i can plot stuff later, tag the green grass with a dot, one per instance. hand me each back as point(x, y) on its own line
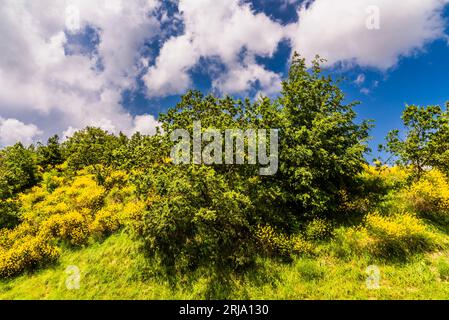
point(115, 270)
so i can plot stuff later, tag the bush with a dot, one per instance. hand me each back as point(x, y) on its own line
point(133, 211)
point(195, 218)
point(107, 221)
point(33, 197)
point(9, 214)
point(377, 190)
point(88, 147)
point(302, 246)
point(70, 213)
point(273, 243)
point(18, 170)
point(81, 194)
point(87, 193)
point(398, 236)
point(429, 196)
point(23, 248)
point(117, 179)
point(72, 227)
point(28, 254)
point(318, 229)
point(52, 180)
point(382, 178)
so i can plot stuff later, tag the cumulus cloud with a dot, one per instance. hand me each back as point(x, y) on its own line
point(170, 74)
point(145, 124)
point(39, 78)
point(53, 83)
point(13, 130)
point(217, 29)
point(342, 31)
point(241, 77)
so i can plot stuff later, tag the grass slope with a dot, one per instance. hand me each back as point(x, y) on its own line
point(113, 270)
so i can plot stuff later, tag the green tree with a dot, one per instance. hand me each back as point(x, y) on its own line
point(9, 214)
point(18, 170)
point(425, 141)
point(50, 155)
point(90, 146)
point(207, 214)
point(322, 147)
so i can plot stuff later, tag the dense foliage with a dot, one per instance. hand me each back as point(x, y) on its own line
point(425, 142)
point(188, 216)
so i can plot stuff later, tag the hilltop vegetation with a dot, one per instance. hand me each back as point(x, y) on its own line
point(139, 226)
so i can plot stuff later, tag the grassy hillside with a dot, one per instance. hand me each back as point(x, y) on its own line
point(114, 269)
point(130, 218)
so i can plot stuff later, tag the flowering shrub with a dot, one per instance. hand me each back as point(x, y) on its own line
point(133, 210)
point(430, 196)
point(117, 179)
point(72, 227)
point(387, 237)
point(23, 248)
point(398, 236)
point(51, 180)
point(71, 211)
point(302, 246)
point(272, 242)
point(318, 229)
point(87, 193)
point(29, 253)
point(107, 220)
point(31, 198)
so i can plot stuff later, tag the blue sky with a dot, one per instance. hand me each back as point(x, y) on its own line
point(421, 79)
point(118, 64)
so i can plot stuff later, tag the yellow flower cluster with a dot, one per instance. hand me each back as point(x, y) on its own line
point(107, 220)
point(72, 227)
point(318, 229)
point(430, 195)
point(392, 173)
point(116, 179)
point(398, 235)
point(302, 246)
point(72, 212)
point(274, 243)
point(27, 254)
point(394, 227)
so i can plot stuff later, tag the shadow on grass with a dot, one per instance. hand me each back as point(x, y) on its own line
point(211, 282)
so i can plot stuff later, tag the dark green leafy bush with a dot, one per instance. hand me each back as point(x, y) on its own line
point(195, 218)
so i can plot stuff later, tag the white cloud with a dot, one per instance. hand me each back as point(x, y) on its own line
point(242, 77)
point(216, 29)
point(145, 124)
point(38, 79)
point(360, 79)
point(13, 130)
point(365, 91)
point(337, 30)
point(170, 74)
point(41, 83)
